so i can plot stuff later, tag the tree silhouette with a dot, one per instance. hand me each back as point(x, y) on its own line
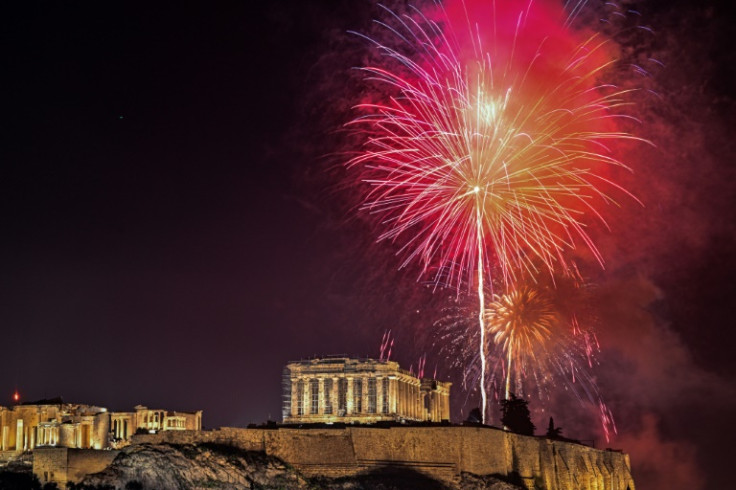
point(515, 415)
point(552, 431)
point(474, 417)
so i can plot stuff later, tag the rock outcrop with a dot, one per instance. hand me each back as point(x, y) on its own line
point(207, 465)
point(148, 466)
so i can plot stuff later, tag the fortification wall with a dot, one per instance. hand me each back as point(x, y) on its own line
point(83, 462)
point(441, 452)
point(60, 464)
point(50, 465)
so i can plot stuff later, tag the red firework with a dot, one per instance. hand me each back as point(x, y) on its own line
point(494, 145)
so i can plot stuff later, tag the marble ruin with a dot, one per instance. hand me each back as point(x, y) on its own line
point(349, 390)
point(148, 420)
point(53, 423)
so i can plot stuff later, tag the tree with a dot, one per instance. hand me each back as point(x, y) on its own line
point(552, 431)
point(475, 417)
point(515, 415)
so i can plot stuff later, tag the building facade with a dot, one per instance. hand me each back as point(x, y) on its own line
point(342, 389)
point(53, 423)
point(125, 424)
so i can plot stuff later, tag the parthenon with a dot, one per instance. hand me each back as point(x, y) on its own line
point(342, 389)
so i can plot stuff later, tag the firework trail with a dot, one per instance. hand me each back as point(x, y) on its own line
point(488, 142)
point(387, 344)
point(421, 365)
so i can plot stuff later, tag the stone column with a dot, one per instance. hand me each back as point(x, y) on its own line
point(404, 397)
point(349, 397)
point(390, 395)
point(446, 401)
point(19, 435)
point(308, 383)
point(365, 394)
point(320, 396)
point(379, 395)
point(397, 393)
point(410, 400)
point(415, 401)
point(294, 399)
point(333, 396)
point(420, 404)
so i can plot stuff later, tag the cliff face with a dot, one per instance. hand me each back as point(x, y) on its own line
point(149, 466)
point(173, 467)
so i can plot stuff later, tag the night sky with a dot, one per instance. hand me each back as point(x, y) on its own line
point(174, 229)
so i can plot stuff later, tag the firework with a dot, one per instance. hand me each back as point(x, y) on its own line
point(492, 145)
point(522, 325)
point(536, 343)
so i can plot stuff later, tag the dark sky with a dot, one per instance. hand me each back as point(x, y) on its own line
point(172, 235)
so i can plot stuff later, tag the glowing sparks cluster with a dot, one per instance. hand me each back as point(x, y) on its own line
point(521, 323)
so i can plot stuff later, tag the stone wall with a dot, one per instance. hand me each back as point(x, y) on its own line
point(60, 464)
point(441, 452)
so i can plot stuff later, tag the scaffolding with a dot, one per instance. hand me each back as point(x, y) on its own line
point(285, 393)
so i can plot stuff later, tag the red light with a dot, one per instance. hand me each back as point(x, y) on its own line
point(16, 396)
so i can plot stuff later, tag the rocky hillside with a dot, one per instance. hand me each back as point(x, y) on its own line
point(207, 466)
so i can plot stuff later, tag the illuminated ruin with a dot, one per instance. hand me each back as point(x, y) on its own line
point(342, 389)
point(54, 423)
point(125, 424)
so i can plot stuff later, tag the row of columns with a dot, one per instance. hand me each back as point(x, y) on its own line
point(121, 428)
point(397, 396)
point(329, 400)
point(28, 437)
point(410, 401)
point(438, 406)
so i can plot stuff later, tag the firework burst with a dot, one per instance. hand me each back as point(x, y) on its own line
point(492, 148)
point(522, 325)
point(535, 342)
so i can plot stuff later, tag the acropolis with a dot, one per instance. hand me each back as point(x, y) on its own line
point(343, 417)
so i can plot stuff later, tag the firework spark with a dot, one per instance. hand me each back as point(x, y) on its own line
point(493, 147)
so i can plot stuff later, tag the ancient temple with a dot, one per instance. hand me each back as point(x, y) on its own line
point(53, 423)
point(149, 420)
point(342, 389)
